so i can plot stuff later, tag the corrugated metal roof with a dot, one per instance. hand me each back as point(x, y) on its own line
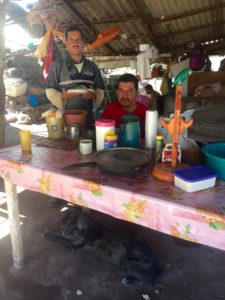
point(171, 25)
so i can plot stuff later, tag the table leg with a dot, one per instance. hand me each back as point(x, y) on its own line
point(14, 221)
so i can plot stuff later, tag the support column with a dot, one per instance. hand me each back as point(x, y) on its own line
point(14, 221)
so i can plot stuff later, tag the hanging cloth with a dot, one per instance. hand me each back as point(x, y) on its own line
point(164, 88)
point(48, 58)
point(42, 49)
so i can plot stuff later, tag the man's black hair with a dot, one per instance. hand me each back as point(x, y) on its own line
point(128, 78)
point(73, 28)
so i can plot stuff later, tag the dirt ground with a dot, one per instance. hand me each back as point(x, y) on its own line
point(189, 271)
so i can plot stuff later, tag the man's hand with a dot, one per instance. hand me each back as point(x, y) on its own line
point(66, 95)
point(89, 95)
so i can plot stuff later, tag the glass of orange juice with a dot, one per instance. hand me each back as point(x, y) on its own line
point(25, 141)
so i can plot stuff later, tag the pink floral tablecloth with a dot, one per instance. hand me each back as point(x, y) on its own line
point(197, 217)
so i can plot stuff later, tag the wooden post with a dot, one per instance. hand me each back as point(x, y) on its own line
point(14, 221)
point(3, 5)
point(176, 128)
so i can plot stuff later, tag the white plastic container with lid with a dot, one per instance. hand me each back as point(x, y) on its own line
point(103, 126)
point(194, 179)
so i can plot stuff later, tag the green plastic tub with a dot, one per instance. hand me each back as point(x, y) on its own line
point(214, 154)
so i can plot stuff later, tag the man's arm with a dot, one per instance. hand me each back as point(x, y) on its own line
point(100, 87)
point(55, 97)
point(53, 92)
point(99, 96)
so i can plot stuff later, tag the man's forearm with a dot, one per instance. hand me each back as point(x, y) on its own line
point(99, 96)
point(55, 97)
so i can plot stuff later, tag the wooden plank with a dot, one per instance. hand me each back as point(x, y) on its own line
point(14, 221)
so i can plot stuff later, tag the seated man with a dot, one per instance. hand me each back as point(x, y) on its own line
point(126, 91)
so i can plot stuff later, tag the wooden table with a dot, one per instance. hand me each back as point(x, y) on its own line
point(198, 217)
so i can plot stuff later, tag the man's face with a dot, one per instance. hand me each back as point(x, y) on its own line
point(126, 95)
point(74, 43)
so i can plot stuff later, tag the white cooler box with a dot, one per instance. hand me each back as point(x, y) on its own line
point(15, 87)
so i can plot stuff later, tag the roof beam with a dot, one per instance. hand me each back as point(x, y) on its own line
point(163, 19)
point(189, 29)
point(119, 20)
point(218, 18)
point(86, 23)
point(147, 21)
point(209, 47)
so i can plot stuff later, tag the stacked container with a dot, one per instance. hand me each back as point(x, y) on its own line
point(15, 87)
point(103, 126)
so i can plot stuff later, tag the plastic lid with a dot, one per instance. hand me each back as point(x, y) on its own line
point(195, 174)
point(129, 118)
point(159, 137)
point(110, 135)
point(105, 122)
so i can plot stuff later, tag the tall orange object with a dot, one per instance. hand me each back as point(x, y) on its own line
point(105, 37)
point(176, 126)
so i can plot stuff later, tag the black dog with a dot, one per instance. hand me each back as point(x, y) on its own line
point(78, 230)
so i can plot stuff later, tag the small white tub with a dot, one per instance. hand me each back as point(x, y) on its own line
point(194, 179)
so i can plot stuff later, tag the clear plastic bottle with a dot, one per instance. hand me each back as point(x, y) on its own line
point(158, 148)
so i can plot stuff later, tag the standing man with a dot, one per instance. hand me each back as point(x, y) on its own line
point(74, 71)
point(156, 100)
point(126, 91)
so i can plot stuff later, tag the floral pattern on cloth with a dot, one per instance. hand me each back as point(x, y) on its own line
point(198, 217)
point(183, 233)
point(213, 217)
point(77, 199)
point(134, 209)
point(17, 166)
point(45, 184)
point(94, 186)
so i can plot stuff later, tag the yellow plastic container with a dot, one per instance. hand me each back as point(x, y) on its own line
point(55, 127)
point(110, 140)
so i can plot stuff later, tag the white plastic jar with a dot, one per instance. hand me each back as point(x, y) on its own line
point(103, 126)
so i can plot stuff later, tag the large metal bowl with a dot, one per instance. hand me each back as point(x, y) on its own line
point(122, 161)
point(117, 161)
